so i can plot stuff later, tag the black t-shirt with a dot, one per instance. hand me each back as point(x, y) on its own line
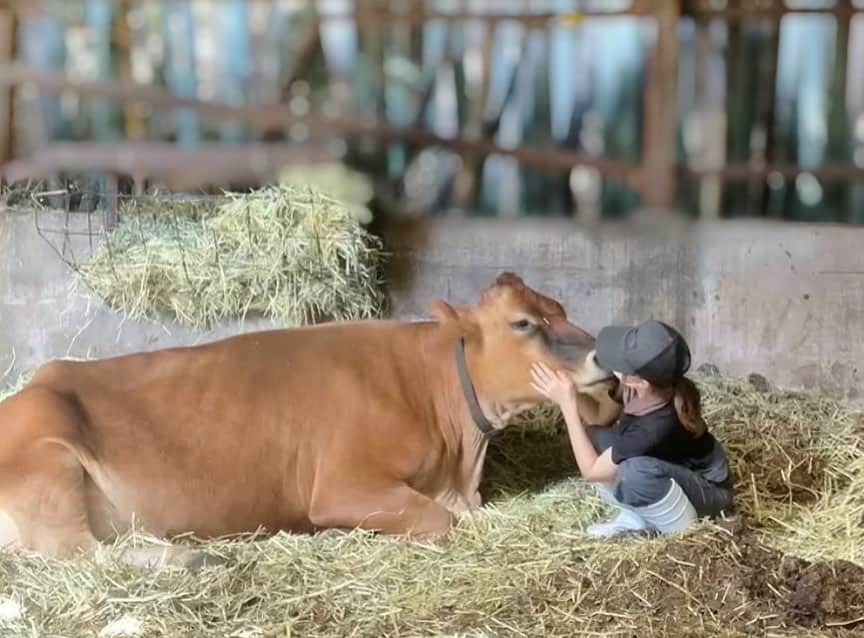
point(658, 434)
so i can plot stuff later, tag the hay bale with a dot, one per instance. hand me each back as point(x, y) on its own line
point(336, 180)
point(522, 566)
point(287, 253)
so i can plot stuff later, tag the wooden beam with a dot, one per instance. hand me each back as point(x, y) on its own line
point(175, 167)
point(8, 45)
point(745, 171)
point(659, 148)
point(280, 117)
point(416, 14)
point(379, 16)
point(839, 137)
point(775, 13)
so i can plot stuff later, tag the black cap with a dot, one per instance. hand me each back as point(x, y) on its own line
point(652, 350)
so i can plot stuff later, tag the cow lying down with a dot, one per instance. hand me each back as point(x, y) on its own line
point(381, 425)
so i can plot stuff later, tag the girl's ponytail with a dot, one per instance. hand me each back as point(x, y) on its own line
point(688, 406)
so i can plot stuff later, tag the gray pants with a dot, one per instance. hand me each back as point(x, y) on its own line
point(643, 480)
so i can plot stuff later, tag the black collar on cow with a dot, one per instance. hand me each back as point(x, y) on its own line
point(483, 424)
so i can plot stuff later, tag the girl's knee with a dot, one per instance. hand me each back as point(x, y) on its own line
point(641, 468)
point(642, 480)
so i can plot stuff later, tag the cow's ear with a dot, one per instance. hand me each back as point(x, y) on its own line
point(508, 278)
point(440, 310)
point(454, 320)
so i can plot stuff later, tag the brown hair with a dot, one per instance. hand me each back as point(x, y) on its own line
point(688, 407)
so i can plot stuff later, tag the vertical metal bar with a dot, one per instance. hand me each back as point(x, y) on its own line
point(111, 196)
point(659, 156)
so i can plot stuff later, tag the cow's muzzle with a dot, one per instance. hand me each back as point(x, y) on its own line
point(569, 344)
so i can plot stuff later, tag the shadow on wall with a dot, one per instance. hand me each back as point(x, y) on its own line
point(405, 241)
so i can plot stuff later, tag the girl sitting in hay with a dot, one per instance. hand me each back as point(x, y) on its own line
point(658, 464)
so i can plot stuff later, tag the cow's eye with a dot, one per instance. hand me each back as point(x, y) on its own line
point(522, 325)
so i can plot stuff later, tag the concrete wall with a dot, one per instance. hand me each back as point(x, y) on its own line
point(786, 301)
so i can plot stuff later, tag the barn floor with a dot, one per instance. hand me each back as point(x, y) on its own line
point(791, 565)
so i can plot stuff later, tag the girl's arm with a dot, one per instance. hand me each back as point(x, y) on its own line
point(559, 388)
point(598, 468)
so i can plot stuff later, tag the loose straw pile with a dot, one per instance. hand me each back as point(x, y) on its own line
point(791, 565)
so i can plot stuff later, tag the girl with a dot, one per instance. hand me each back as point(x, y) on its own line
point(658, 464)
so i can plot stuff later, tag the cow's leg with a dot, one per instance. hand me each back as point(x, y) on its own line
point(107, 524)
point(461, 503)
point(475, 501)
point(8, 533)
point(393, 509)
point(41, 478)
point(47, 504)
point(51, 509)
point(42, 498)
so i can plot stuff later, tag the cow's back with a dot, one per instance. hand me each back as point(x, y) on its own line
point(242, 425)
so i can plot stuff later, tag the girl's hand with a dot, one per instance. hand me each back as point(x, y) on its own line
point(556, 386)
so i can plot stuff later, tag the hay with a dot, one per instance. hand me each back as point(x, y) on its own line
point(799, 464)
point(338, 181)
point(287, 253)
point(522, 566)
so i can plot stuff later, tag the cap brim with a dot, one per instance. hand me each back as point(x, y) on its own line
point(610, 349)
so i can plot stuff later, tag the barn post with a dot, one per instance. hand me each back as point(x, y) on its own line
point(181, 67)
point(768, 115)
point(659, 156)
point(235, 64)
point(839, 134)
point(8, 46)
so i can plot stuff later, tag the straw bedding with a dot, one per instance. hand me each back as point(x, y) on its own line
point(791, 565)
point(287, 252)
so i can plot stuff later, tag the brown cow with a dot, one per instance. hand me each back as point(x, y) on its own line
point(381, 425)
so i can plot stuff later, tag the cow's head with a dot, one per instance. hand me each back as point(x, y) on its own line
point(511, 327)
